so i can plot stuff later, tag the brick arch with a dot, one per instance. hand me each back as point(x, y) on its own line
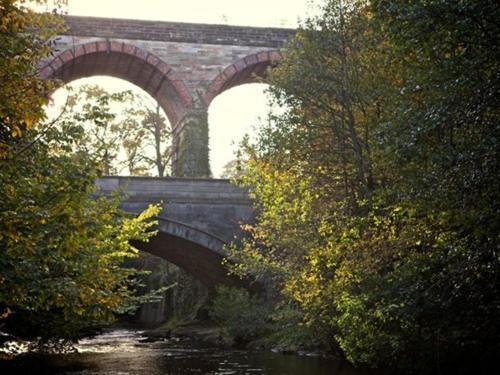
point(242, 71)
point(127, 62)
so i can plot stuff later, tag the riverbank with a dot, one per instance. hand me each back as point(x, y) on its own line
point(201, 332)
point(209, 334)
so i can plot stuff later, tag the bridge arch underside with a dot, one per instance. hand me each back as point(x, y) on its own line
point(195, 252)
point(127, 62)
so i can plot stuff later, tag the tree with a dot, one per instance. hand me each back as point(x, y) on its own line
point(376, 190)
point(23, 93)
point(155, 123)
point(312, 171)
point(62, 248)
point(233, 169)
point(123, 132)
point(61, 245)
point(432, 296)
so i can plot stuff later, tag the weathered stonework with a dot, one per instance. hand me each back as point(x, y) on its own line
point(183, 66)
point(191, 157)
point(198, 217)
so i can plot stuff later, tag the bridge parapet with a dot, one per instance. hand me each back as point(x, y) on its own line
point(214, 206)
point(180, 32)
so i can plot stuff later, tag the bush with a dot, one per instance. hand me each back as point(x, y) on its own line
point(243, 317)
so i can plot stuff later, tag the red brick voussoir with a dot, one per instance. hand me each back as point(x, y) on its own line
point(78, 59)
point(240, 72)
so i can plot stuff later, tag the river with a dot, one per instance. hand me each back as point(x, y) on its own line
point(127, 352)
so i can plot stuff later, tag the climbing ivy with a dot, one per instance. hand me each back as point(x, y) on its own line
point(192, 158)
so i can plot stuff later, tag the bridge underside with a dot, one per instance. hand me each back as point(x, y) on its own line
point(202, 263)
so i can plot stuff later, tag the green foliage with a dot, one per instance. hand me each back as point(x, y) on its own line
point(242, 316)
point(23, 93)
point(62, 246)
point(312, 172)
point(377, 188)
point(288, 331)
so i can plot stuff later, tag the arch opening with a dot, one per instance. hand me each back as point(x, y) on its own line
point(237, 102)
point(235, 113)
point(246, 70)
point(127, 62)
point(138, 136)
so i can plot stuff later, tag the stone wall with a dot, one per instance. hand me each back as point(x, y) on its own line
point(213, 206)
point(177, 32)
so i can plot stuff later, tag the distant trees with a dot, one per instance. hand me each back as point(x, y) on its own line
point(123, 133)
point(377, 188)
point(61, 248)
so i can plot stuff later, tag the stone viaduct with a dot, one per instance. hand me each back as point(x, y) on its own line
point(183, 67)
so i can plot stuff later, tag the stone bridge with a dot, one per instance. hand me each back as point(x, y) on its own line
point(198, 217)
point(183, 66)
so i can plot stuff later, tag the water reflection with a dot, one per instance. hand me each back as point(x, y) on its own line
point(125, 352)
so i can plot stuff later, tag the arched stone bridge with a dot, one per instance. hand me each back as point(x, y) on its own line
point(199, 216)
point(183, 66)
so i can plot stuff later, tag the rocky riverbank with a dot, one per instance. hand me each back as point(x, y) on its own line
point(200, 332)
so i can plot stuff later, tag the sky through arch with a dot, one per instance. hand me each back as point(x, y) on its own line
point(113, 85)
point(231, 115)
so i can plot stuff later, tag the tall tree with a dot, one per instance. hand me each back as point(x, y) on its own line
point(23, 93)
point(377, 189)
point(313, 172)
point(61, 246)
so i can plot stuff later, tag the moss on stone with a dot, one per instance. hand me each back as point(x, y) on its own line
point(193, 145)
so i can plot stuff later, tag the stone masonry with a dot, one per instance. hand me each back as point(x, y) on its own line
point(198, 217)
point(183, 66)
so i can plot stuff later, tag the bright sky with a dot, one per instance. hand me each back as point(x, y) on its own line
point(283, 13)
point(233, 113)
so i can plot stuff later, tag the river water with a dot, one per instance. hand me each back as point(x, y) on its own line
point(127, 352)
